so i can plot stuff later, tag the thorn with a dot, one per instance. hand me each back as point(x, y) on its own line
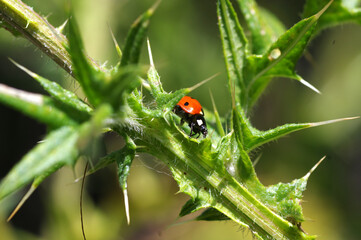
point(318, 15)
point(126, 205)
point(213, 103)
point(150, 54)
point(165, 117)
point(119, 51)
point(61, 27)
point(32, 74)
point(257, 160)
point(218, 121)
point(307, 84)
point(202, 82)
point(314, 168)
point(22, 201)
point(155, 6)
point(332, 121)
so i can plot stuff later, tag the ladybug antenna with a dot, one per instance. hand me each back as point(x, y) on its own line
point(202, 82)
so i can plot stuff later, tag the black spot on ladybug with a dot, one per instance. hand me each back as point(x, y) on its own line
point(186, 103)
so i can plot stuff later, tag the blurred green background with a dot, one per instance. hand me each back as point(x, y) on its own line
point(187, 49)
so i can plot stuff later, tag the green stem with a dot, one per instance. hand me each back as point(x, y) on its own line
point(225, 193)
point(25, 21)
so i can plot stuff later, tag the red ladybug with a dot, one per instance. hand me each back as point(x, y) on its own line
point(190, 111)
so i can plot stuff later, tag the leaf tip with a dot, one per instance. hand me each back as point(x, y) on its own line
point(126, 205)
point(332, 121)
point(202, 82)
point(318, 15)
point(314, 168)
point(22, 201)
point(150, 54)
point(307, 84)
point(119, 51)
point(30, 73)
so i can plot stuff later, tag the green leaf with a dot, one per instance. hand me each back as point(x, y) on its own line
point(136, 36)
point(193, 205)
point(155, 85)
point(56, 150)
point(39, 107)
point(57, 92)
point(234, 46)
point(339, 12)
point(105, 161)
point(91, 129)
point(90, 79)
point(253, 138)
point(285, 198)
point(280, 59)
point(124, 160)
point(101, 87)
point(60, 147)
point(212, 214)
point(70, 103)
point(121, 84)
point(240, 162)
point(265, 28)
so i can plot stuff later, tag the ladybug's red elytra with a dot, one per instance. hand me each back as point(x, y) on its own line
point(190, 111)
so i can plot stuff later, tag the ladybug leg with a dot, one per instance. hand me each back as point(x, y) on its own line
point(193, 133)
point(190, 134)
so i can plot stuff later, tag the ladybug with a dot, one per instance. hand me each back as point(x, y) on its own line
point(190, 111)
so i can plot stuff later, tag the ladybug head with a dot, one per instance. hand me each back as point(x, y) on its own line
point(204, 130)
point(201, 125)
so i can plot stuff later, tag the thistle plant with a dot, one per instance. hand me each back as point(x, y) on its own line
point(217, 171)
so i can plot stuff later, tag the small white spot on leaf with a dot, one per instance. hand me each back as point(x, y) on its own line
point(274, 54)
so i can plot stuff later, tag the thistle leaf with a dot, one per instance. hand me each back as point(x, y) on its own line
point(124, 161)
point(121, 84)
point(72, 104)
point(89, 78)
point(234, 46)
point(136, 36)
point(339, 12)
point(39, 107)
point(212, 214)
point(193, 205)
point(285, 198)
point(281, 57)
point(254, 138)
point(57, 149)
point(265, 28)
